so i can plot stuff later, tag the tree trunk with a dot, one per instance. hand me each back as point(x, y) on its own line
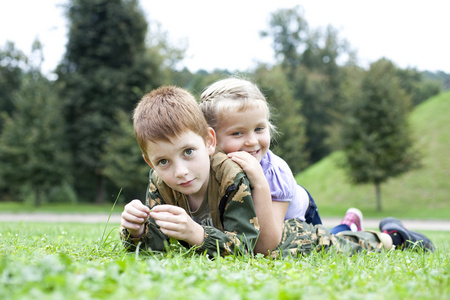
point(378, 193)
point(100, 197)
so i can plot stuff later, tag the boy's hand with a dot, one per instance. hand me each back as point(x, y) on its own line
point(251, 167)
point(134, 216)
point(176, 223)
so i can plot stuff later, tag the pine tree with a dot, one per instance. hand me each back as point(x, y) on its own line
point(376, 138)
point(105, 68)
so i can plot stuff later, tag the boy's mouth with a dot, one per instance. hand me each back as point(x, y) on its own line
point(187, 183)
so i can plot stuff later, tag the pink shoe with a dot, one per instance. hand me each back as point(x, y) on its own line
point(354, 219)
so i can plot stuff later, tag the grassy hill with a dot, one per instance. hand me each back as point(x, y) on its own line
point(422, 193)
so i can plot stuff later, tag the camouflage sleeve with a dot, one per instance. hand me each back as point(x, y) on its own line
point(241, 228)
point(152, 238)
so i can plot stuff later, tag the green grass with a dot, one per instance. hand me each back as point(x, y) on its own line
point(85, 261)
point(19, 207)
point(421, 193)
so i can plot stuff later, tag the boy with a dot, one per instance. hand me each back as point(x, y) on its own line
point(197, 196)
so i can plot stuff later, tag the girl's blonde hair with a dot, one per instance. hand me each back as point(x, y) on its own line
point(232, 95)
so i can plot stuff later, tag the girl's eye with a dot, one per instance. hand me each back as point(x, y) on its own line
point(259, 129)
point(188, 152)
point(163, 162)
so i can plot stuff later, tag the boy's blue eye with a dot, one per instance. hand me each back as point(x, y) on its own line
point(163, 162)
point(236, 133)
point(188, 152)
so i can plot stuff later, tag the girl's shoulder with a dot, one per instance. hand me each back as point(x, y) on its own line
point(273, 163)
point(281, 180)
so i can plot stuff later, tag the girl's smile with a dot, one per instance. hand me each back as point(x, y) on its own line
point(246, 130)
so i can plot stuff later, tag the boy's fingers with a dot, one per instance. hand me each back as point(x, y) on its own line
point(127, 217)
point(136, 207)
point(139, 205)
point(132, 212)
point(129, 225)
point(168, 209)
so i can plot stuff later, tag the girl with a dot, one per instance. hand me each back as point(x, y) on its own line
point(240, 115)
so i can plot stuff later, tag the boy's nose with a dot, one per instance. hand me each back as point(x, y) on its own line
point(181, 170)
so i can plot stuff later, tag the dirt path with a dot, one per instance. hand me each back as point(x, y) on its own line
point(413, 224)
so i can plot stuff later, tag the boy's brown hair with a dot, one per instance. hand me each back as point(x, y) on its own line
point(167, 112)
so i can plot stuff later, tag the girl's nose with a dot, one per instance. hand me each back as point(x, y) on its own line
point(251, 140)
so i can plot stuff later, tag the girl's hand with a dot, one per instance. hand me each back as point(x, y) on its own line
point(176, 223)
point(251, 167)
point(134, 217)
point(270, 216)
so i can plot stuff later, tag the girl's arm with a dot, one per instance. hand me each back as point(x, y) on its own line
point(270, 214)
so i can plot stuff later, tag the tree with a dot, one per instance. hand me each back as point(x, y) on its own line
point(309, 58)
point(288, 30)
point(32, 149)
point(311, 90)
point(123, 160)
point(106, 68)
point(376, 139)
point(12, 62)
point(419, 88)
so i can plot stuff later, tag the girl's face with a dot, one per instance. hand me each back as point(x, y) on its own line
point(246, 130)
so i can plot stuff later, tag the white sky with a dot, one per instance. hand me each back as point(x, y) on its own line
point(224, 34)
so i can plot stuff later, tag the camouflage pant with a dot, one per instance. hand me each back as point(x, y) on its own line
point(300, 238)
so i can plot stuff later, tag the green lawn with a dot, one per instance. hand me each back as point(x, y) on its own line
point(19, 207)
point(86, 261)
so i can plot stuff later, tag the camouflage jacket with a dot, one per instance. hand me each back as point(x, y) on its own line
point(230, 224)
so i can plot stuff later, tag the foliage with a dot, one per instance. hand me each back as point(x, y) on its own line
point(12, 64)
point(309, 60)
point(74, 261)
point(438, 76)
point(419, 88)
point(288, 30)
point(114, 56)
point(106, 67)
point(197, 83)
point(32, 148)
point(376, 138)
point(419, 193)
point(316, 105)
point(123, 159)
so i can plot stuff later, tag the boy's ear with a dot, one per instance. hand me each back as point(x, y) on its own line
point(211, 141)
point(148, 162)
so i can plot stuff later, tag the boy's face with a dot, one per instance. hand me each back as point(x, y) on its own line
point(246, 130)
point(184, 163)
